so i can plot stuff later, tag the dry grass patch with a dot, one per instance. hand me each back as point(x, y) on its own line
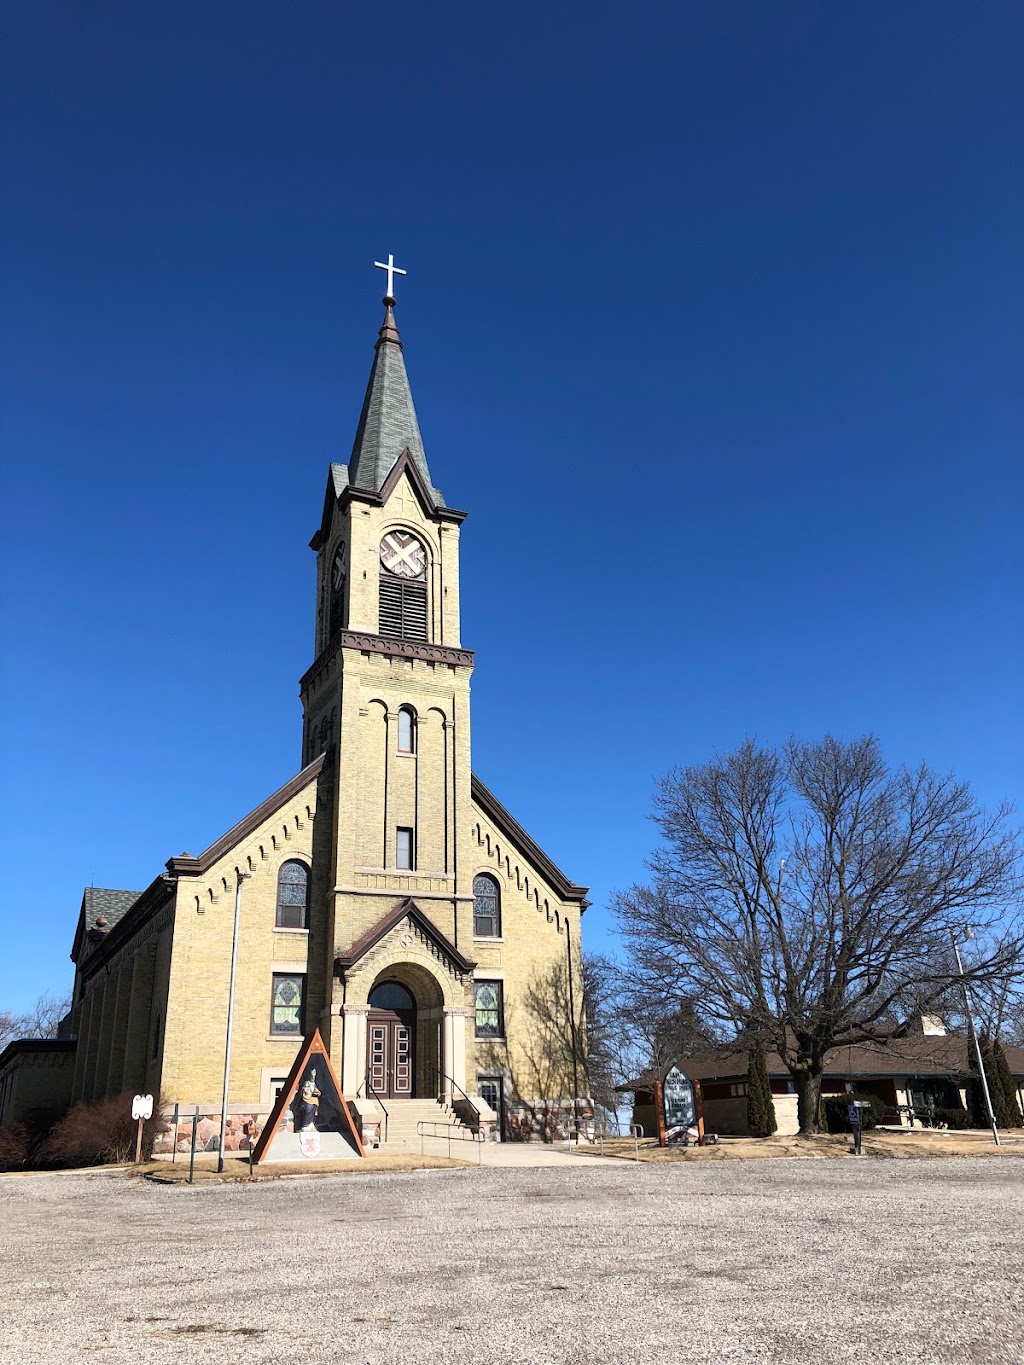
point(176, 1173)
point(916, 1143)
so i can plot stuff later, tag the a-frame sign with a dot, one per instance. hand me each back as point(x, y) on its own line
point(322, 1127)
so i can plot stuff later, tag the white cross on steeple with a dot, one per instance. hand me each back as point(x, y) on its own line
point(392, 270)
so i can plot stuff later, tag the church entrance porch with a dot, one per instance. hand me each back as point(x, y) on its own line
point(405, 1008)
point(391, 1041)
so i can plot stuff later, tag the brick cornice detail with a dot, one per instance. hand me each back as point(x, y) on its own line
point(379, 644)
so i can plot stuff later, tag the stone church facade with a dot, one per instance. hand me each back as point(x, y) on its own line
point(385, 896)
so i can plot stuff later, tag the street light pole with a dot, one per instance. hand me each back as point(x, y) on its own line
point(974, 1038)
point(240, 878)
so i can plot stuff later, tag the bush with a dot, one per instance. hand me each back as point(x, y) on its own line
point(99, 1134)
point(837, 1111)
point(760, 1106)
point(16, 1143)
point(953, 1118)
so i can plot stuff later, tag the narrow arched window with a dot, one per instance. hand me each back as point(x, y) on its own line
point(336, 618)
point(403, 587)
point(406, 730)
point(293, 896)
point(486, 907)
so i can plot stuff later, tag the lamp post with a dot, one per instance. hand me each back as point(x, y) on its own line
point(974, 1035)
point(240, 877)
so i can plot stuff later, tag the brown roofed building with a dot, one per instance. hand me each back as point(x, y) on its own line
point(913, 1074)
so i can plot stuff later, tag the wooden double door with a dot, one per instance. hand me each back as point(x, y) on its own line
point(390, 1052)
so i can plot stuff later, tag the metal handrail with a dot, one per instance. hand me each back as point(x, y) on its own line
point(370, 1091)
point(457, 1131)
point(438, 1074)
point(636, 1132)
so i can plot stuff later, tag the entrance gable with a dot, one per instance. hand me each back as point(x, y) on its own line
point(407, 935)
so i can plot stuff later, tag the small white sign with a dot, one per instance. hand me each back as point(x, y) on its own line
point(142, 1107)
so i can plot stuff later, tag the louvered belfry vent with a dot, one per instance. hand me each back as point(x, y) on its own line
point(403, 587)
point(403, 609)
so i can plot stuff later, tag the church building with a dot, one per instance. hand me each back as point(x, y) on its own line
point(382, 894)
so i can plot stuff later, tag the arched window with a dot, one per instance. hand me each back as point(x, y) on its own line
point(486, 907)
point(336, 617)
point(293, 896)
point(403, 587)
point(391, 995)
point(406, 730)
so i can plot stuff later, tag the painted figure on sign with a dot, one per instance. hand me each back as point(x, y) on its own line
point(305, 1117)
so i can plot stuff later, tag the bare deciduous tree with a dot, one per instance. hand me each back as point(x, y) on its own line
point(633, 1030)
point(40, 1021)
point(551, 1059)
point(802, 895)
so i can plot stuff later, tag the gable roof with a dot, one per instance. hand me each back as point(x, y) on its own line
point(187, 866)
point(514, 832)
point(161, 888)
point(97, 901)
point(912, 1055)
point(408, 909)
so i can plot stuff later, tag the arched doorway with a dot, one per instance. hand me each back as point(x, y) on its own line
point(391, 1040)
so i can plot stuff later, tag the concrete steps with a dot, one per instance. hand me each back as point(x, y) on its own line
point(404, 1115)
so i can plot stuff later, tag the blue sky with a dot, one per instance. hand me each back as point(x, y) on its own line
point(713, 324)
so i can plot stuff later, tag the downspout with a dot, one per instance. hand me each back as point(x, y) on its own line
point(572, 1031)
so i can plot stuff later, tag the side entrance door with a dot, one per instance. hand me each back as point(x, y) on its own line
point(389, 1054)
point(492, 1089)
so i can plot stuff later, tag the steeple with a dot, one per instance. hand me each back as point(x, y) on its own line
point(387, 423)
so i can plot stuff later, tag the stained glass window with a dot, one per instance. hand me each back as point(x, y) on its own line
point(486, 917)
point(293, 896)
point(489, 1013)
point(286, 1006)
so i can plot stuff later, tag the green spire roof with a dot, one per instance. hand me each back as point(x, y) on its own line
point(387, 423)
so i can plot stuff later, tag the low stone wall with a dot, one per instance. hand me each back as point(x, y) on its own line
point(240, 1133)
point(549, 1123)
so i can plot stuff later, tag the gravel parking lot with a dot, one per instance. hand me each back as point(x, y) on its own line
point(816, 1261)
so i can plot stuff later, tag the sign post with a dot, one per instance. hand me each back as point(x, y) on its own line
point(855, 1123)
point(659, 1109)
point(142, 1109)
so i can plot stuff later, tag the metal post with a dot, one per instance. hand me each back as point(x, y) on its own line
point(192, 1154)
point(174, 1144)
point(977, 1045)
point(240, 878)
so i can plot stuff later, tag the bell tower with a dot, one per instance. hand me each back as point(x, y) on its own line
point(387, 696)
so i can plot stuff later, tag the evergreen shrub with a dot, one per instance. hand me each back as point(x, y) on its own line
point(760, 1107)
point(953, 1118)
point(1010, 1109)
point(837, 1111)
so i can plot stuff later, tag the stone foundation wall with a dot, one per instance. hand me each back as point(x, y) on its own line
point(240, 1134)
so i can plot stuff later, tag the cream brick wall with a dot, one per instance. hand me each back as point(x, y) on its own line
point(193, 1048)
point(531, 956)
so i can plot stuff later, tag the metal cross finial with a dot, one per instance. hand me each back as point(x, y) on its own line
point(392, 270)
